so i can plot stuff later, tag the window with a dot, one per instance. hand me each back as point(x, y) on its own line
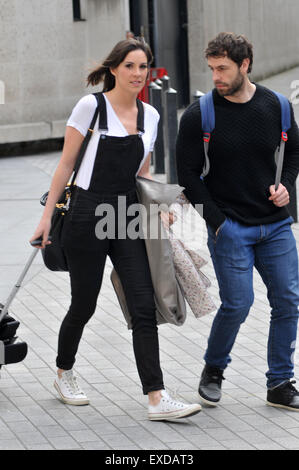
point(77, 11)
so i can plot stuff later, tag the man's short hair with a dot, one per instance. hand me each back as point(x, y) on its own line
point(235, 47)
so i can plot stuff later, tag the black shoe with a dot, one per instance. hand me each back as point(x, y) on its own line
point(210, 385)
point(284, 396)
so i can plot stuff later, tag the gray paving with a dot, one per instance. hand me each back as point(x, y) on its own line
point(32, 417)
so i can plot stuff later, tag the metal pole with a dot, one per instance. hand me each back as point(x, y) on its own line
point(156, 33)
point(165, 82)
point(155, 93)
point(171, 125)
point(292, 206)
point(196, 95)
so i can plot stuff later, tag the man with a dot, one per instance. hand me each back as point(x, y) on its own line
point(248, 223)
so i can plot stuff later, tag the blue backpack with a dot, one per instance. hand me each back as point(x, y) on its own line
point(208, 124)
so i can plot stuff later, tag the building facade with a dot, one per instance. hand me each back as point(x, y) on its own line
point(47, 48)
point(271, 26)
point(46, 52)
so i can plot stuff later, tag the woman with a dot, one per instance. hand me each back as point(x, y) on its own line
point(108, 170)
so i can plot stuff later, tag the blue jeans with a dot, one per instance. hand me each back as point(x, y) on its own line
point(271, 248)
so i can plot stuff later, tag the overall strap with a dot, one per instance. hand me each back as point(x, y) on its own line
point(140, 116)
point(103, 126)
point(207, 112)
point(285, 126)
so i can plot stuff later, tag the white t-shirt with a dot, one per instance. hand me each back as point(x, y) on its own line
point(81, 118)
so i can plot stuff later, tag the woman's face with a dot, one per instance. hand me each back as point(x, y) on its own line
point(131, 74)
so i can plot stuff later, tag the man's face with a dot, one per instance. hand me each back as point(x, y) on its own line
point(228, 77)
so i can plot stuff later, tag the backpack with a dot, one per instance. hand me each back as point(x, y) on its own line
point(208, 124)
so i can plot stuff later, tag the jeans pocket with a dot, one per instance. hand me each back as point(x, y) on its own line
point(291, 220)
point(220, 230)
point(221, 226)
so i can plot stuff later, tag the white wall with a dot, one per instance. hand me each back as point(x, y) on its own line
point(45, 57)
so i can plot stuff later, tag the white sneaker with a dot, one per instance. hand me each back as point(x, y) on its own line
point(168, 408)
point(68, 389)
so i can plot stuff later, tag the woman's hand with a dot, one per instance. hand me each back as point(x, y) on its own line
point(168, 218)
point(42, 231)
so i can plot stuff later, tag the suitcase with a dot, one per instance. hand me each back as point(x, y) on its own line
point(12, 351)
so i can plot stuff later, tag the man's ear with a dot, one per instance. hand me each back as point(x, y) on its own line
point(245, 65)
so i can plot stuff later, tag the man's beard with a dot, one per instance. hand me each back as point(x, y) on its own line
point(234, 88)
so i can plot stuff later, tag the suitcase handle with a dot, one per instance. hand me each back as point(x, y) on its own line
point(18, 283)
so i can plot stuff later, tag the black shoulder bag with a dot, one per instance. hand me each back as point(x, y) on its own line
point(53, 254)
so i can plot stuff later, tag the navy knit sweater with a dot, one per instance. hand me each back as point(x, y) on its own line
point(241, 155)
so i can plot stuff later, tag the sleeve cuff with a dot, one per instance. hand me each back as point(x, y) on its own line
point(213, 215)
point(77, 126)
point(289, 187)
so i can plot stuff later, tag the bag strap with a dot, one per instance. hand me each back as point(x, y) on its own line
point(285, 126)
point(207, 123)
point(207, 111)
point(78, 162)
point(84, 145)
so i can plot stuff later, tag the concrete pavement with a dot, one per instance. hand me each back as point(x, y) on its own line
point(31, 416)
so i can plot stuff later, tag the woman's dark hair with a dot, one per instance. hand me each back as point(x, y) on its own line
point(117, 55)
point(235, 47)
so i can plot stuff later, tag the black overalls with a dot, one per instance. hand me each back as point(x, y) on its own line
point(116, 164)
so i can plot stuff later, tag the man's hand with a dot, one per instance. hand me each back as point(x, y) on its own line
point(168, 218)
point(280, 197)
